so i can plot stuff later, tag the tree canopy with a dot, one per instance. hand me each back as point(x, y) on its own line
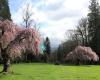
point(94, 25)
point(82, 53)
point(15, 41)
point(4, 10)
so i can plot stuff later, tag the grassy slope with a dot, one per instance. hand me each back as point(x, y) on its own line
point(39, 71)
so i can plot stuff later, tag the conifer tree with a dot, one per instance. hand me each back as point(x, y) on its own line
point(4, 10)
point(94, 24)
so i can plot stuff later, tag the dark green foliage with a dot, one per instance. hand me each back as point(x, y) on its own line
point(64, 49)
point(94, 25)
point(47, 45)
point(48, 49)
point(4, 10)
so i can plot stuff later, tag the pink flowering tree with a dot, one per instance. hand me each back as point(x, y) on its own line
point(81, 54)
point(15, 41)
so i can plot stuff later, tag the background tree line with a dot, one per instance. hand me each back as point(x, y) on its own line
point(87, 33)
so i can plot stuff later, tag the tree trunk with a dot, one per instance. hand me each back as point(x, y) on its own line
point(6, 60)
point(6, 65)
point(77, 62)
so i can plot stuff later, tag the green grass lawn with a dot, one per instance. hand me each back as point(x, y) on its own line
point(40, 71)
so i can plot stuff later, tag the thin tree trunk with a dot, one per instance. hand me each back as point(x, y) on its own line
point(6, 65)
point(6, 60)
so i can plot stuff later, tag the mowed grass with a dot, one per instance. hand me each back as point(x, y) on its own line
point(40, 71)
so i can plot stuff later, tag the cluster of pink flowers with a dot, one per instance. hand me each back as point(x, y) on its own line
point(16, 40)
point(82, 53)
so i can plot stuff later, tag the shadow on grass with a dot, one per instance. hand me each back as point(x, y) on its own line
point(14, 73)
point(2, 75)
point(9, 73)
point(76, 65)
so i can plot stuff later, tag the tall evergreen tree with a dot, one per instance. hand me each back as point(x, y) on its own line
point(4, 10)
point(94, 24)
point(48, 48)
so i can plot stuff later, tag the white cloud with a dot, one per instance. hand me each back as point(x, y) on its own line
point(52, 1)
point(59, 15)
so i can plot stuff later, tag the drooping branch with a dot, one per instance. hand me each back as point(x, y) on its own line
point(82, 53)
point(15, 41)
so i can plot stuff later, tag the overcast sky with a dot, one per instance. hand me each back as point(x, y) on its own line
point(54, 17)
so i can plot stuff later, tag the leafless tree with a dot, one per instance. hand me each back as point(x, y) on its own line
point(82, 30)
point(73, 35)
point(27, 15)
